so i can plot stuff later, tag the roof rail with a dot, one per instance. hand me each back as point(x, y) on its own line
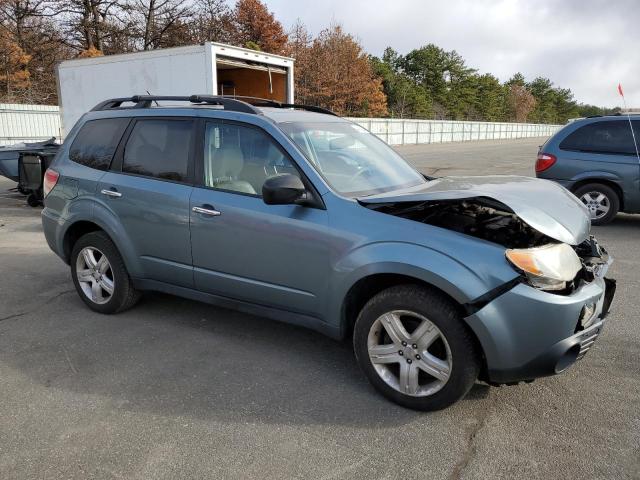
point(265, 102)
point(235, 103)
point(144, 101)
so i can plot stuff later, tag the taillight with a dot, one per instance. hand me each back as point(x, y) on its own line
point(544, 161)
point(50, 179)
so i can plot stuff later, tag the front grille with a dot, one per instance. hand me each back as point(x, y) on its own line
point(588, 341)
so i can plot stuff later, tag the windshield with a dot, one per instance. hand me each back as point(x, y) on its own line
point(352, 160)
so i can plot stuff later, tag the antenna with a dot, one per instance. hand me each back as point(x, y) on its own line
point(633, 135)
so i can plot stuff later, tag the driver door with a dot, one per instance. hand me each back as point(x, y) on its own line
point(272, 255)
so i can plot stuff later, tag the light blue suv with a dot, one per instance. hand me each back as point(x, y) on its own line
point(292, 213)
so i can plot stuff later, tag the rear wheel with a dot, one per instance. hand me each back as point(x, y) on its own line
point(601, 200)
point(412, 345)
point(100, 276)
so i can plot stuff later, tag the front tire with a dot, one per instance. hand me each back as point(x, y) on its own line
point(100, 276)
point(601, 200)
point(414, 348)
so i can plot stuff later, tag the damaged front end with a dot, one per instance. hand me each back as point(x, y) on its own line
point(543, 261)
point(547, 316)
point(482, 218)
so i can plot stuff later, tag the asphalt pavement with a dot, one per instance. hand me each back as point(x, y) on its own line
point(179, 389)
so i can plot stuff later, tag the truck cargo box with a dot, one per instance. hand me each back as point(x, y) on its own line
point(210, 68)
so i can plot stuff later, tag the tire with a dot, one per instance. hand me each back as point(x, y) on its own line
point(590, 193)
point(32, 200)
point(115, 276)
point(455, 344)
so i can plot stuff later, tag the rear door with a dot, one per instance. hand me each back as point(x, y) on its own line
point(605, 149)
point(148, 189)
point(272, 255)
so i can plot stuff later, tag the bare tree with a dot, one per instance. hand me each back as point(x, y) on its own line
point(153, 21)
point(20, 17)
point(213, 22)
point(520, 102)
point(90, 24)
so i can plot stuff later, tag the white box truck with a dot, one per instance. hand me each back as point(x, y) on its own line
point(210, 68)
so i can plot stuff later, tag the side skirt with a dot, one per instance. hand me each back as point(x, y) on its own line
point(272, 313)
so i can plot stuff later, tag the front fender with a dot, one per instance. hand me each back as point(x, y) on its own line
point(460, 278)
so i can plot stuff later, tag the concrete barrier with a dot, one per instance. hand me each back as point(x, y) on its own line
point(412, 132)
point(20, 123)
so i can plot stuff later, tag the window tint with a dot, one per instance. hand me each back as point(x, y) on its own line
point(159, 148)
point(241, 158)
point(97, 141)
point(602, 137)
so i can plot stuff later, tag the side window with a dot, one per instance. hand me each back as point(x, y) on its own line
point(97, 141)
point(240, 159)
point(602, 137)
point(159, 148)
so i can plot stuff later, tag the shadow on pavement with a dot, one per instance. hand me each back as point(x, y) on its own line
point(170, 356)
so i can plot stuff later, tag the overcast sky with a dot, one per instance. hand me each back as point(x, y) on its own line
point(585, 45)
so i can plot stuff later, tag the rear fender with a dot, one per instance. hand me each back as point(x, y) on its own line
point(105, 219)
point(595, 176)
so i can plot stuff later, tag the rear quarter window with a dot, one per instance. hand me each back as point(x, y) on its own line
point(602, 137)
point(96, 142)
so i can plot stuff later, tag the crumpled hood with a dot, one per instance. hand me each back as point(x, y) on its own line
point(543, 205)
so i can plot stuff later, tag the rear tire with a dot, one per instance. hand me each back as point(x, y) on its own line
point(100, 276)
point(434, 341)
point(598, 197)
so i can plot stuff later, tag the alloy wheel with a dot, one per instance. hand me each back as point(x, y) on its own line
point(597, 203)
point(95, 275)
point(409, 353)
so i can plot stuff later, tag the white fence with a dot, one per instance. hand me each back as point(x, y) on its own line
point(19, 123)
point(28, 123)
point(408, 132)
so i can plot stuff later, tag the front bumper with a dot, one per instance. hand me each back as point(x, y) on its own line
point(527, 333)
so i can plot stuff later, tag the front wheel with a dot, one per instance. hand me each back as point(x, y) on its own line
point(412, 345)
point(100, 276)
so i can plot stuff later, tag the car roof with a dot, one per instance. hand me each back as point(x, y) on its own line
point(287, 115)
point(597, 118)
point(183, 105)
point(277, 115)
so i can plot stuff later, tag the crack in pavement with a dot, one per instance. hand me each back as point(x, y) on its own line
point(471, 446)
point(36, 308)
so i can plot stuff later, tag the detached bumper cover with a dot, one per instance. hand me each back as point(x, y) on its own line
point(527, 333)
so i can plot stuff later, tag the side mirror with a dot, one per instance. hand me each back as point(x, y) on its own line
point(284, 189)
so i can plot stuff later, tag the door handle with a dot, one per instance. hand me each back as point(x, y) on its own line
point(206, 211)
point(111, 193)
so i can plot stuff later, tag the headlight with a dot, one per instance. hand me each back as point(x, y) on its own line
point(548, 267)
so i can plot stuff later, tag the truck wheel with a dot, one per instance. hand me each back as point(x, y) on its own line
point(413, 347)
point(32, 200)
point(100, 276)
point(601, 200)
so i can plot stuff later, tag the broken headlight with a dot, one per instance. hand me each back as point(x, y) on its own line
point(549, 267)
